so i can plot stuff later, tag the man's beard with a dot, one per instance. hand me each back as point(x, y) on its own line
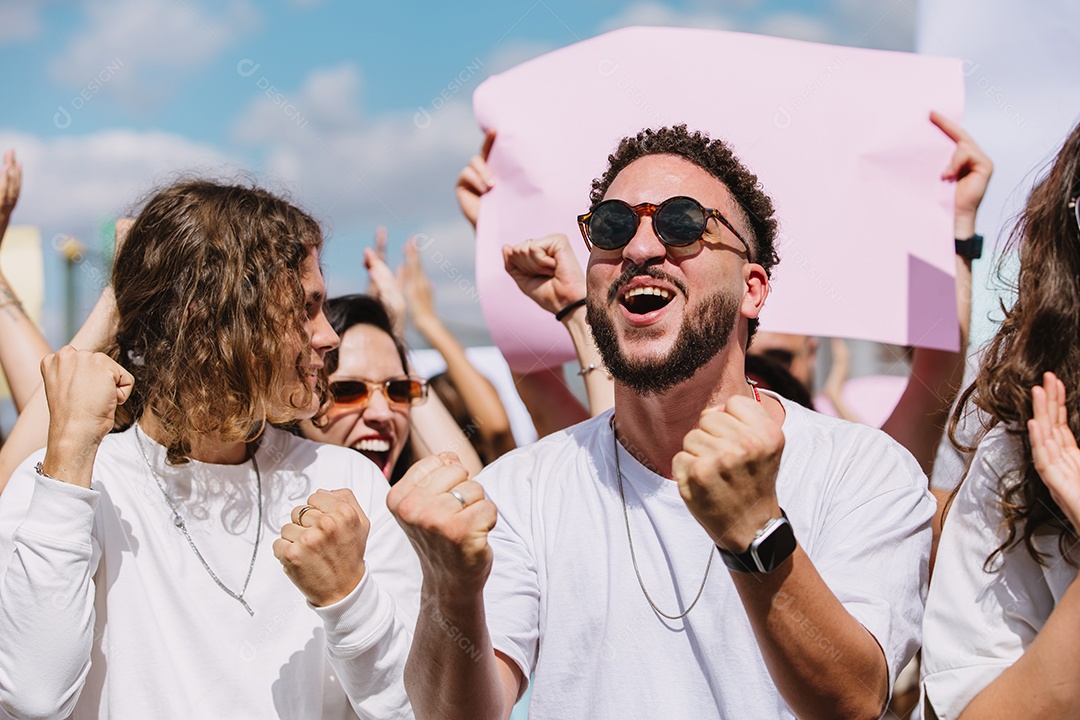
point(703, 333)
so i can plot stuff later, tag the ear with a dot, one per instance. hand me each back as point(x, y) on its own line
point(756, 283)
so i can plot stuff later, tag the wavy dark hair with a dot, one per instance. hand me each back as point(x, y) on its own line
point(211, 312)
point(1040, 332)
point(715, 157)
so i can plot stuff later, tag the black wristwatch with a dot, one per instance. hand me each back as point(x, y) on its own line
point(772, 545)
point(970, 248)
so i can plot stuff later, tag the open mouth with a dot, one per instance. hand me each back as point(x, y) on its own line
point(647, 299)
point(377, 450)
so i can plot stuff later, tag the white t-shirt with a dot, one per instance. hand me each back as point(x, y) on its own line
point(979, 623)
point(106, 612)
point(563, 600)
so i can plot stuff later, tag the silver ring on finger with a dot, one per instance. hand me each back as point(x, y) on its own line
point(459, 497)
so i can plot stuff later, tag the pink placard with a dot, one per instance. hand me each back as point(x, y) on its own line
point(840, 138)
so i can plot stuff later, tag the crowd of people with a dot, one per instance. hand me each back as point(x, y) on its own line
point(693, 540)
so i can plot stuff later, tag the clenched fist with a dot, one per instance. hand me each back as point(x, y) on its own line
point(83, 390)
point(727, 471)
point(447, 518)
point(322, 549)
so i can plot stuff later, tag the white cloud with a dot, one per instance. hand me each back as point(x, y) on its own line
point(398, 168)
point(72, 182)
point(885, 24)
point(19, 21)
point(146, 45)
point(658, 15)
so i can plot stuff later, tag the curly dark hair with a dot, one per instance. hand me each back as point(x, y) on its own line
point(715, 157)
point(211, 309)
point(1040, 332)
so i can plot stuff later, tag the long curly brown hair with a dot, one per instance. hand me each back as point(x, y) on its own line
point(211, 313)
point(1040, 332)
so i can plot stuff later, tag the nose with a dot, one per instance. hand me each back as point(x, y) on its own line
point(378, 410)
point(323, 337)
point(645, 247)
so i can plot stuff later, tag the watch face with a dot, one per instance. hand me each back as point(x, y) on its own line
point(774, 546)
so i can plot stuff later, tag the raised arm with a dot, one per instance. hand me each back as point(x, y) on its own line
point(919, 419)
point(47, 590)
point(479, 395)
point(548, 272)
point(31, 428)
point(22, 346)
point(1042, 682)
point(448, 679)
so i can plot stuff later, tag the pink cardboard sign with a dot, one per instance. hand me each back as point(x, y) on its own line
point(840, 138)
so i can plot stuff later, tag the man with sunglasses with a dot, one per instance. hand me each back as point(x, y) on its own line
point(602, 579)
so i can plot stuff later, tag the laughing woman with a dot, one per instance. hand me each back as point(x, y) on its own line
point(379, 409)
point(1003, 612)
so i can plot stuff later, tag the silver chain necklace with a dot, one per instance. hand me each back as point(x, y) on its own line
point(630, 539)
point(178, 521)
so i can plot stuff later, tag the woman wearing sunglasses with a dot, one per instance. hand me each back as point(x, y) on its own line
point(380, 409)
point(1003, 612)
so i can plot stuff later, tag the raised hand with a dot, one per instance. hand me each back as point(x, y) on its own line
point(727, 471)
point(417, 287)
point(322, 549)
point(83, 390)
point(970, 168)
point(383, 284)
point(475, 180)
point(546, 270)
point(10, 185)
point(1053, 446)
point(447, 518)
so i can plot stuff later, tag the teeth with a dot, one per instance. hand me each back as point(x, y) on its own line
point(372, 445)
point(660, 292)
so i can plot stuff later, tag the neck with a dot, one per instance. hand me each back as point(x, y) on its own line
point(652, 427)
point(204, 449)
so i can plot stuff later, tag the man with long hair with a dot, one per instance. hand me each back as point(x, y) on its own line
point(136, 572)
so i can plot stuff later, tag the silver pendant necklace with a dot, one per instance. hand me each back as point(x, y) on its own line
point(630, 539)
point(178, 521)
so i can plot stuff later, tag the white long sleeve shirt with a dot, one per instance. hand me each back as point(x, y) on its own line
point(106, 612)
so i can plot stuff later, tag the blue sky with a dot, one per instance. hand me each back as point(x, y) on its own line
point(361, 111)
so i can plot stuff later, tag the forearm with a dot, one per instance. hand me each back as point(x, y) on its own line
point(100, 327)
point(22, 348)
point(368, 645)
point(599, 388)
point(481, 399)
point(1042, 682)
point(434, 431)
point(452, 673)
point(919, 418)
point(47, 602)
point(824, 662)
point(30, 433)
point(549, 401)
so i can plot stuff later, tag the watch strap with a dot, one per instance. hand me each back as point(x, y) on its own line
point(774, 544)
point(971, 247)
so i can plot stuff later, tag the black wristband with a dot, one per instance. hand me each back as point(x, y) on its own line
point(569, 309)
point(970, 248)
